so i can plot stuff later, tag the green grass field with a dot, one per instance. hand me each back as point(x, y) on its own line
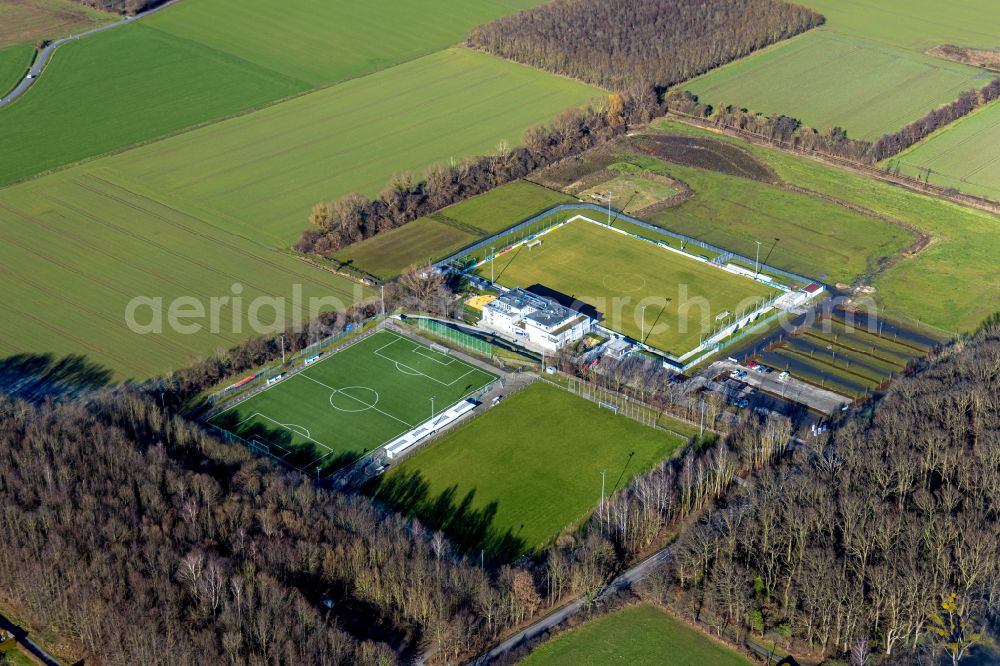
point(637, 636)
point(15, 657)
point(733, 213)
point(193, 214)
point(261, 173)
point(517, 476)
point(958, 156)
point(93, 98)
point(615, 274)
point(353, 401)
point(80, 244)
point(14, 61)
point(321, 42)
point(25, 22)
point(952, 284)
point(203, 60)
point(865, 75)
point(430, 238)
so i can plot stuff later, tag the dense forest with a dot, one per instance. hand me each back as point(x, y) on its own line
point(630, 46)
point(883, 537)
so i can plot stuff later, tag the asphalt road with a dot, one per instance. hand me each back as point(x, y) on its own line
point(790, 388)
point(625, 580)
point(43, 56)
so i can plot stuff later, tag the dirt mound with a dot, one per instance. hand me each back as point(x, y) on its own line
point(708, 154)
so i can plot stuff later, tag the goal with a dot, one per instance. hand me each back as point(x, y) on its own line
point(534, 243)
point(441, 349)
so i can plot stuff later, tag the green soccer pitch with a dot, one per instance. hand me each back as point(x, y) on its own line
point(617, 275)
point(352, 401)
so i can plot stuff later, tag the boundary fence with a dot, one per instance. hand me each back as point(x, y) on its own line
point(463, 340)
point(449, 262)
point(259, 381)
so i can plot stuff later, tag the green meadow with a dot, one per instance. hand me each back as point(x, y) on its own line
point(867, 75)
point(640, 635)
point(952, 284)
point(529, 468)
point(26, 22)
point(430, 238)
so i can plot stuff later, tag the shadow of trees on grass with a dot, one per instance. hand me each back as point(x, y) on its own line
point(280, 442)
point(38, 377)
point(471, 530)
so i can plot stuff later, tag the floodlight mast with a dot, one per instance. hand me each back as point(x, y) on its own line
point(756, 268)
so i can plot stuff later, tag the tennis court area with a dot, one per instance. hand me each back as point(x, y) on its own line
point(352, 401)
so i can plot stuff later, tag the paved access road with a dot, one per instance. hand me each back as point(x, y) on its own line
point(624, 581)
point(43, 56)
point(790, 388)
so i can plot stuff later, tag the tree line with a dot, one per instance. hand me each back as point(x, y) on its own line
point(628, 46)
point(882, 537)
point(127, 7)
point(834, 141)
point(895, 143)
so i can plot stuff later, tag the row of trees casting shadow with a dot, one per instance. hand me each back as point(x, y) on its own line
point(472, 531)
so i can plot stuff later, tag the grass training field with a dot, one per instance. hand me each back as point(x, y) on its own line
point(960, 155)
point(430, 238)
point(640, 635)
point(123, 86)
point(322, 42)
point(25, 21)
point(867, 75)
point(517, 476)
point(352, 401)
point(615, 273)
point(261, 173)
point(951, 284)
point(80, 244)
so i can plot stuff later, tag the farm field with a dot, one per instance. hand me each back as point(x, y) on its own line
point(514, 478)
point(323, 42)
point(615, 273)
point(259, 174)
point(14, 61)
point(865, 75)
point(71, 113)
point(352, 401)
point(958, 155)
point(640, 635)
point(25, 22)
point(80, 244)
point(430, 238)
point(958, 270)
point(138, 82)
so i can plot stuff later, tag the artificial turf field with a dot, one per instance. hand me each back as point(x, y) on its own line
point(958, 155)
point(635, 635)
point(868, 75)
point(616, 273)
point(352, 401)
point(527, 469)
